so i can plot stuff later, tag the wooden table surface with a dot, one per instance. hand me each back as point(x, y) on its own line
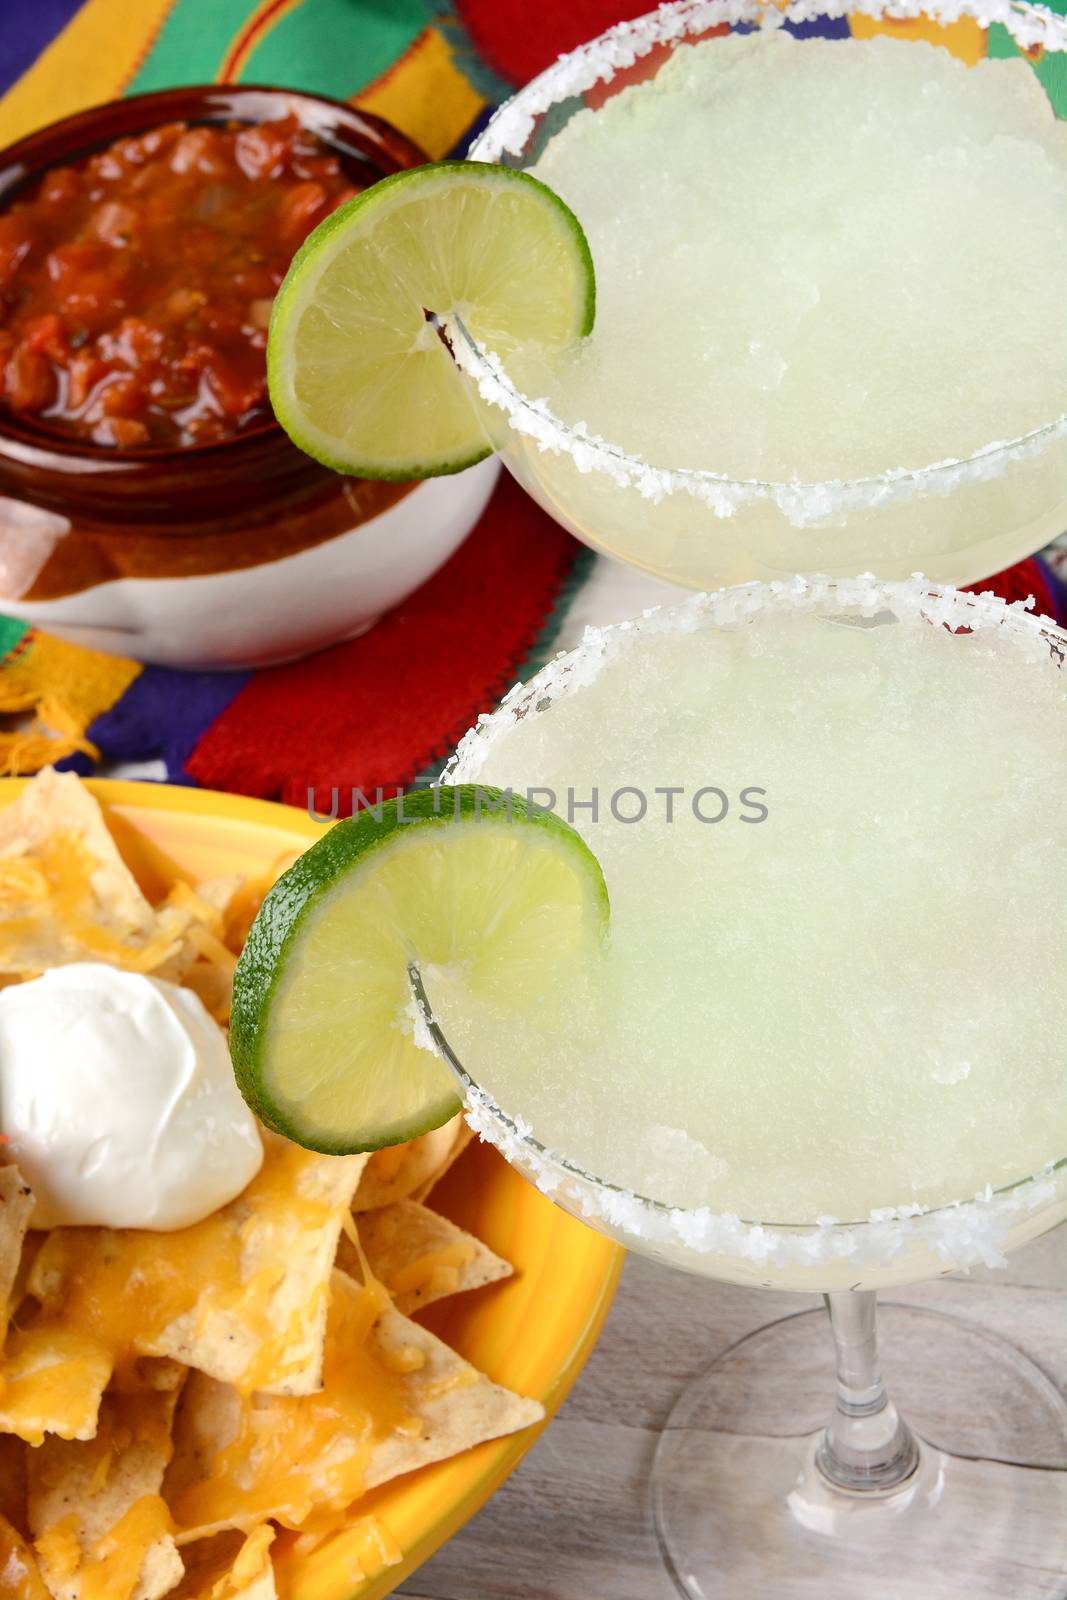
point(572, 1523)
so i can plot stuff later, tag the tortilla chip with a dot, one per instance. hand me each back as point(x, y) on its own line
point(205, 960)
point(65, 892)
point(420, 1257)
point(241, 1295)
point(394, 1398)
point(229, 1566)
point(58, 802)
point(395, 1173)
point(16, 1208)
point(20, 1577)
point(464, 1135)
point(95, 1509)
point(52, 1381)
point(457, 1405)
point(241, 910)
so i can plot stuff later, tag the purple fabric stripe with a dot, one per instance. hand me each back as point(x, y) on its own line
point(463, 144)
point(1057, 589)
point(29, 25)
point(161, 716)
point(820, 28)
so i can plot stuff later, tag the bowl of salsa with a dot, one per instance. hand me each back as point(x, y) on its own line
point(149, 502)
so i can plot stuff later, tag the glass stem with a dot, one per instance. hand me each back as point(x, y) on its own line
point(866, 1448)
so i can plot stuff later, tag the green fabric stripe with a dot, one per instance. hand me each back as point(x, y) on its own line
point(191, 44)
point(331, 47)
point(335, 47)
point(1051, 70)
point(12, 633)
point(544, 646)
point(489, 84)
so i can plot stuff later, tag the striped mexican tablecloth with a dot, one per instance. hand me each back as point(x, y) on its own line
point(380, 709)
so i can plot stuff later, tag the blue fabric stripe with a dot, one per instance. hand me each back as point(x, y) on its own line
point(464, 142)
point(820, 28)
point(28, 26)
point(162, 716)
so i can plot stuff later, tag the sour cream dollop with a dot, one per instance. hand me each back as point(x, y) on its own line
point(119, 1101)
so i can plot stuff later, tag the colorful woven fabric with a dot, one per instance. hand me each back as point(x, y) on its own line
point(396, 59)
point(379, 709)
point(382, 708)
point(374, 711)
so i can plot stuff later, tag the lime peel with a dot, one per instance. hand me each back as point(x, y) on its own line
point(466, 878)
point(354, 379)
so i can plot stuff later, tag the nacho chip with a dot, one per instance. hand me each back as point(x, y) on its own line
point(241, 1295)
point(205, 960)
point(65, 892)
point(20, 1577)
point(229, 1566)
point(464, 1135)
point(240, 912)
point(419, 1256)
point(16, 1208)
point(51, 1381)
point(457, 1406)
point(58, 803)
point(396, 1172)
point(95, 1509)
point(394, 1398)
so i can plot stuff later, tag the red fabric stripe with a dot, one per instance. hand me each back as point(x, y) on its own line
point(252, 29)
point(379, 709)
point(1018, 583)
point(520, 40)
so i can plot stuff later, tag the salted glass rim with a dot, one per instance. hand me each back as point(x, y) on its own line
point(802, 501)
point(967, 1231)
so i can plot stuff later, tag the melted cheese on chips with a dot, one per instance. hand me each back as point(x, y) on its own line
point(241, 1296)
point(393, 1398)
point(51, 1381)
point(283, 1459)
point(50, 915)
point(113, 1568)
point(102, 1531)
point(20, 1578)
point(304, 1390)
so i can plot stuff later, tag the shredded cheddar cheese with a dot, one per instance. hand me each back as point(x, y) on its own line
point(241, 1294)
point(284, 1459)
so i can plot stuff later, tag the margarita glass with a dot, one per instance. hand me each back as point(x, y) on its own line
point(749, 1493)
point(956, 520)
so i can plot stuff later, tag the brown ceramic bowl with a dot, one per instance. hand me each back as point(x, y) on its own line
point(230, 553)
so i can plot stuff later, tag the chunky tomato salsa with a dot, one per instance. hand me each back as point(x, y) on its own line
point(136, 286)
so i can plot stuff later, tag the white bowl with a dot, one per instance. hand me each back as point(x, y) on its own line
point(281, 609)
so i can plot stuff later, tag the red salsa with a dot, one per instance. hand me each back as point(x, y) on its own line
point(136, 286)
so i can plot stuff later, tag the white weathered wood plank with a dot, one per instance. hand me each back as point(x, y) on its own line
point(573, 1523)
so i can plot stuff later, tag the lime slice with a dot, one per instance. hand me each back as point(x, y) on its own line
point(321, 1032)
point(359, 378)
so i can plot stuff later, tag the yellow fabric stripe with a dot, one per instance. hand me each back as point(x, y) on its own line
point(66, 687)
point(425, 95)
point(91, 60)
point(966, 38)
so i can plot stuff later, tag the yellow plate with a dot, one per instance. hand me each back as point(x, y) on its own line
point(533, 1333)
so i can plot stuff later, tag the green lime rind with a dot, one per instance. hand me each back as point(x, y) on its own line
point(338, 883)
point(348, 336)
